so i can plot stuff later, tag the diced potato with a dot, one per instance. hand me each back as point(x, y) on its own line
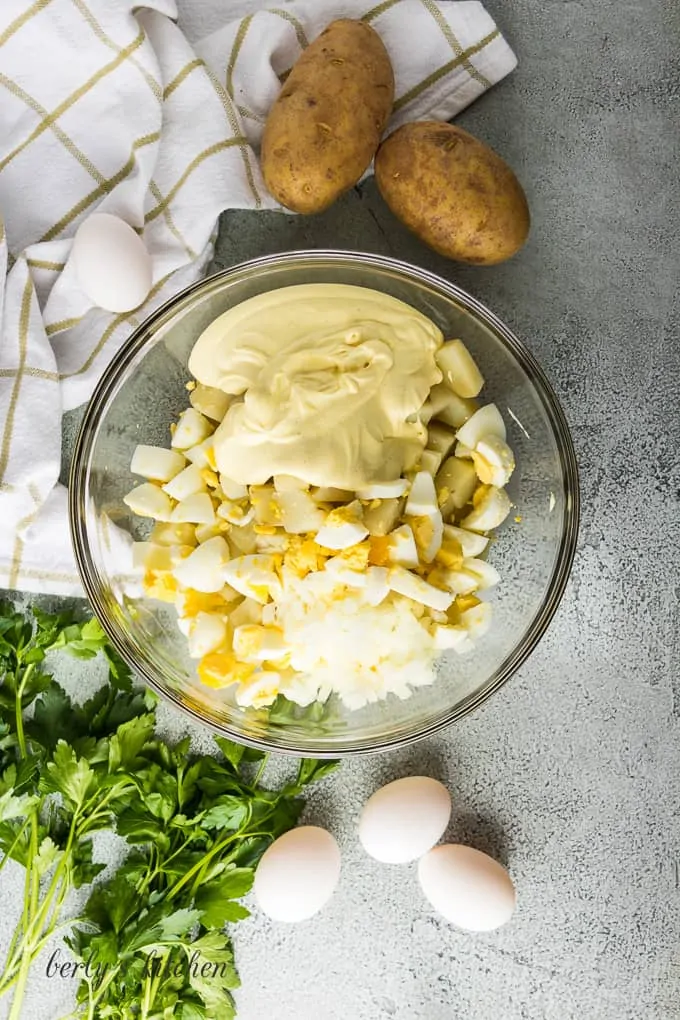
point(204, 532)
point(186, 483)
point(299, 512)
point(148, 500)
point(440, 438)
point(198, 509)
point(436, 402)
point(243, 541)
point(455, 484)
point(156, 463)
point(192, 428)
point(286, 483)
point(459, 369)
point(265, 502)
point(430, 461)
point(211, 402)
point(457, 411)
point(328, 494)
point(174, 534)
point(463, 451)
point(383, 518)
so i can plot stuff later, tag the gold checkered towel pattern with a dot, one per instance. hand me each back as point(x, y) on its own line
point(105, 105)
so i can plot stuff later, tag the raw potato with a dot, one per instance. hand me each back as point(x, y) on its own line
point(453, 191)
point(323, 130)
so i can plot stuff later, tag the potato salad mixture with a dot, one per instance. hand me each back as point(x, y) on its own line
point(323, 514)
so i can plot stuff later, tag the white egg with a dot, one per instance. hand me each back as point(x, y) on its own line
point(404, 819)
point(111, 263)
point(467, 887)
point(298, 874)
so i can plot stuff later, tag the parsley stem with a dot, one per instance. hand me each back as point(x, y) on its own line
point(260, 769)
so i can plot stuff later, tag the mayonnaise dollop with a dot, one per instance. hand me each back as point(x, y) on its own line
point(329, 375)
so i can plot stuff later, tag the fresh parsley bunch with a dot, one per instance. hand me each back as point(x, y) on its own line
point(150, 942)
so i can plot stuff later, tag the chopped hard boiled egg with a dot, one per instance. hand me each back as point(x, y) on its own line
point(147, 500)
point(186, 483)
point(490, 508)
point(383, 490)
point(494, 461)
point(254, 576)
point(192, 428)
point(487, 421)
point(203, 569)
point(198, 509)
point(342, 527)
point(414, 587)
point(422, 498)
point(254, 643)
point(206, 632)
point(156, 463)
point(471, 544)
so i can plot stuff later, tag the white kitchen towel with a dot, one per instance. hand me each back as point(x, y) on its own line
point(105, 105)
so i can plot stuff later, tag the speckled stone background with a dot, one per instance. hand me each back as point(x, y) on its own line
point(571, 774)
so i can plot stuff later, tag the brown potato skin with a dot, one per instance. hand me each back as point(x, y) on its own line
point(453, 191)
point(325, 126)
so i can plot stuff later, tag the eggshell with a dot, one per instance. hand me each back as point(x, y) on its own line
point(111, 263)
point(404, 819)
point(298, 874)
point(467, 887)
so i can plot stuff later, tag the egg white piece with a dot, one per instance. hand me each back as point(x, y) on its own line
point(471, 544)
point(404, 819)
point(489, 512)
point(148, 500)
point(413, 587)
point(156, 463)
point(205, 633)
point(253, 576)
point(192, 428)
point(402, 550)
point(467, 887)
point(111, 263)
point(203, 569)
point(298, 874)
point(487, 421)
point(186, 483)
point(422, 499)
point(195, 509)
point(383, 490)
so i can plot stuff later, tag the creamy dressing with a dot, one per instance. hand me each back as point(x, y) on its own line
point(326, 378)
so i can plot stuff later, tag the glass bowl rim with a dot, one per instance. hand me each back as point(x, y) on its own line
point(561, 570)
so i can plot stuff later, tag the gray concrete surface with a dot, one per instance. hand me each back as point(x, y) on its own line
point(571, 774)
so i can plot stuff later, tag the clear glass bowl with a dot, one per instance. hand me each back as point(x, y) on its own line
point(143, 390)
